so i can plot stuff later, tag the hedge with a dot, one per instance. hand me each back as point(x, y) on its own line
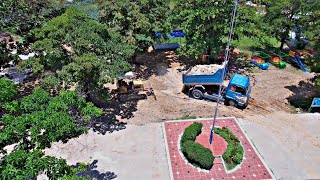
point(191, 132)
point(234, 153)
point(194, 152)
point(198, 155)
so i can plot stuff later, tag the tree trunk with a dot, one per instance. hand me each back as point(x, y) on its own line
point(282, 43)
point(284, 37)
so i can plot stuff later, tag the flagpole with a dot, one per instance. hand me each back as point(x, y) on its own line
point(225, 62)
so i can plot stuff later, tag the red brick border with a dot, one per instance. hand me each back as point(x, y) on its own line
point(252, 166)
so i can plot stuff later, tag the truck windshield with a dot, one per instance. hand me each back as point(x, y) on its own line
point(238, 89)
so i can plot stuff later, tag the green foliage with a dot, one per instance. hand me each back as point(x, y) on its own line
point(19, 16)
point(195, 153)
point(84, 51)
point(198, 155)
point(282, 16)
point(7, 90)
point(51, 84)
point(21, 164)
point(37, 121)
point(205, 23)
point(45, 119)
point(234, 153)
point(37, 101)
point(191, 132)
point(250, 31)
point(136, 20)
point(6, 47)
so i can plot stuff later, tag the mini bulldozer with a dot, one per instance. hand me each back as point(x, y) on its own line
point(129, 89)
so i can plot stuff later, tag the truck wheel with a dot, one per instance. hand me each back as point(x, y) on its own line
point(232, 103)
point(197, 94)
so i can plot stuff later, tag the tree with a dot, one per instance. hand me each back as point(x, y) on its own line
point(249, 25)
point(311, 25)
point(138, 21)
point(17, 18)
point(281, 17)
point(20, 16)
point(205, 23)
point(80, 50)
point(35, 122)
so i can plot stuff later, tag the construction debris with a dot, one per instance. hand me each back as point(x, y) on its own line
point(205, 69)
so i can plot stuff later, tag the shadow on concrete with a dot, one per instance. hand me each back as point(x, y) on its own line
point(93, 173)
point(117, 108)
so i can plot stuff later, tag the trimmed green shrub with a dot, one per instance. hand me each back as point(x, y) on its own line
point(198, 155)
point(234, 153)
point(195, 153)
point(191, 132)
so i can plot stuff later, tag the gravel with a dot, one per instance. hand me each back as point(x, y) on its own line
point(205, 69)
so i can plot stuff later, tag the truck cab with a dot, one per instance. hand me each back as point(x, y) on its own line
point(238, 91)
point(206, 86)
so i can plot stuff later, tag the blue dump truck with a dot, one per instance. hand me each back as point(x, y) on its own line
point(236, 93)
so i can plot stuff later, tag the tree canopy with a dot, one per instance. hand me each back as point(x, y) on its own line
point(36, 121)
point(80, 50)
point(137, 21)
point(20, 16)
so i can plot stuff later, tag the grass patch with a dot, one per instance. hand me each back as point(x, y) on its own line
point(247, 43)
point(177, 40)
point(186, 117)
point(195, 153)
point(180, 40)
point(234, 153)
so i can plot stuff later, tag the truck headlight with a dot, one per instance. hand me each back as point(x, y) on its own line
point(242, 99)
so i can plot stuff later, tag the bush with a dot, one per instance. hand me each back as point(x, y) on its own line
point(234, 153)
point(198, 155)
point(51, 84)
point(7, 90)
point(191, 132)
point(195, 153)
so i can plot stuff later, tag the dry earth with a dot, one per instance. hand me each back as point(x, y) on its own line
point(269, 94)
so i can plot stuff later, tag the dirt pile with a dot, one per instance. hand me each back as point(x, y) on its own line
point(205, 69)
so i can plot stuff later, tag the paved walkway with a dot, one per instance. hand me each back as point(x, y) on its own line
point(252, 166)
point(136, 153)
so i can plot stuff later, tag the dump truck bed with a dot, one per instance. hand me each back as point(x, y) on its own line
point(203, 75)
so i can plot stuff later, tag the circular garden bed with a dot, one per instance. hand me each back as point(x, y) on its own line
point(202, 157)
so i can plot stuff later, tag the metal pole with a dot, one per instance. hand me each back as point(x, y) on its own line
point(225, 62)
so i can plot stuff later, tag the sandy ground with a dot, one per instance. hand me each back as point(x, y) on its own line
point(269, 95)
point(288, 142)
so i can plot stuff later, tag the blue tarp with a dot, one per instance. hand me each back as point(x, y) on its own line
point(173, 34)
point(240, 80)
point(177, 33)
point(158, 35)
